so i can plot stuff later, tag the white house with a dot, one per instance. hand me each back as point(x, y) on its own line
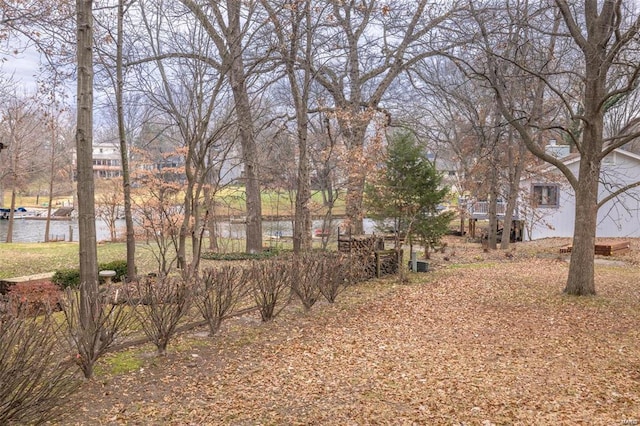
point(107, 162)
point(548, 202)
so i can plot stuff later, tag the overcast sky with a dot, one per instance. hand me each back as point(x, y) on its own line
point(24, 67)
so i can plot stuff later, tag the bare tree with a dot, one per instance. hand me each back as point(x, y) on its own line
point(370, 44)
point(193, 94)
point(592, 68)
point(294, 25)
point(22, 119)
point(463, 125)
point(88, 251)
point(114, 67)
point(229, 24)
point(59, 130)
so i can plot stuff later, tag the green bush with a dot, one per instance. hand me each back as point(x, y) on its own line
point(119, 266)
point(65, 278)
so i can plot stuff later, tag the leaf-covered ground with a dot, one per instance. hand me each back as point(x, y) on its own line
point(491, 342)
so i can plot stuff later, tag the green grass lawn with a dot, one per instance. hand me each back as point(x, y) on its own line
point(230, 201)
point(19, 259)
point(278, 202)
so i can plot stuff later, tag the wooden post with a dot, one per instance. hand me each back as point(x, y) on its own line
point(472, 227)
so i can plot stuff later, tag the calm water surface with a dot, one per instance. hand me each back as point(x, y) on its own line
point(32, 231)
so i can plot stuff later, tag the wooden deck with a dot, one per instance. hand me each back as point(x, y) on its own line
point(605, 248)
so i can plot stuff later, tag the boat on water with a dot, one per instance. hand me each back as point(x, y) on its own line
point(19, 213)
point(322, 233)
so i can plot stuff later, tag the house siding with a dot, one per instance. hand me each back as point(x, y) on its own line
point(619, 217)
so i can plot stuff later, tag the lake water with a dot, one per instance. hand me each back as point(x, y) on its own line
point(32, 231)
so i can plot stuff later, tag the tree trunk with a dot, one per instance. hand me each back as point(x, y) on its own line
point(47, 226)
point(211, 219)
point(517, 166)
point(89, 301)
point(188, 212)
point(124, 151)
point(12, 209)
point(302, 223)
point(581, 279)
point(197, 230)
point(52, 172)
point(356, 174)
point(238, 81)
point(492, 237)
point(300, 92)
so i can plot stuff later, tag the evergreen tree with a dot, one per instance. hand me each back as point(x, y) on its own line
point(408, 190)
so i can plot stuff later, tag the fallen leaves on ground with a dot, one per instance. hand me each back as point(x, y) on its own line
point(492, 343)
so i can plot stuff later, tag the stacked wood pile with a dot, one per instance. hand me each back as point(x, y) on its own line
point(608, 248)
point(359, 243)
point(376, 261)
point(387, 262)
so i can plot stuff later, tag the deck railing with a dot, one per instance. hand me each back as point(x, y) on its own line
point(482, 207)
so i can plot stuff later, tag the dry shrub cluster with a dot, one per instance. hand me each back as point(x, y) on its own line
point(95, 335)
point(307, 277)
point(35, 377)
point(324, 274)
point(219, 291)
point(36, 374)
point(270, 282)
point(306, 272)
point(159, 304)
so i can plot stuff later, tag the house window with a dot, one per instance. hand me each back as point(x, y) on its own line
point(545, 195)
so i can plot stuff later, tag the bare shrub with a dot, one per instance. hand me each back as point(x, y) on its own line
point(306, 275)
point(269, 286)
point(219, 291)
point(334, 275)
point(92, 339)
point(160, 303)
point(35, 377)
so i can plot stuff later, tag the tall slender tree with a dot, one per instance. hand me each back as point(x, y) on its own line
point(294, 27)
point(88, 252)
point(229, 24)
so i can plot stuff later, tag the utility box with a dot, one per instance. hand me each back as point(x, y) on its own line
point(421, 266)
